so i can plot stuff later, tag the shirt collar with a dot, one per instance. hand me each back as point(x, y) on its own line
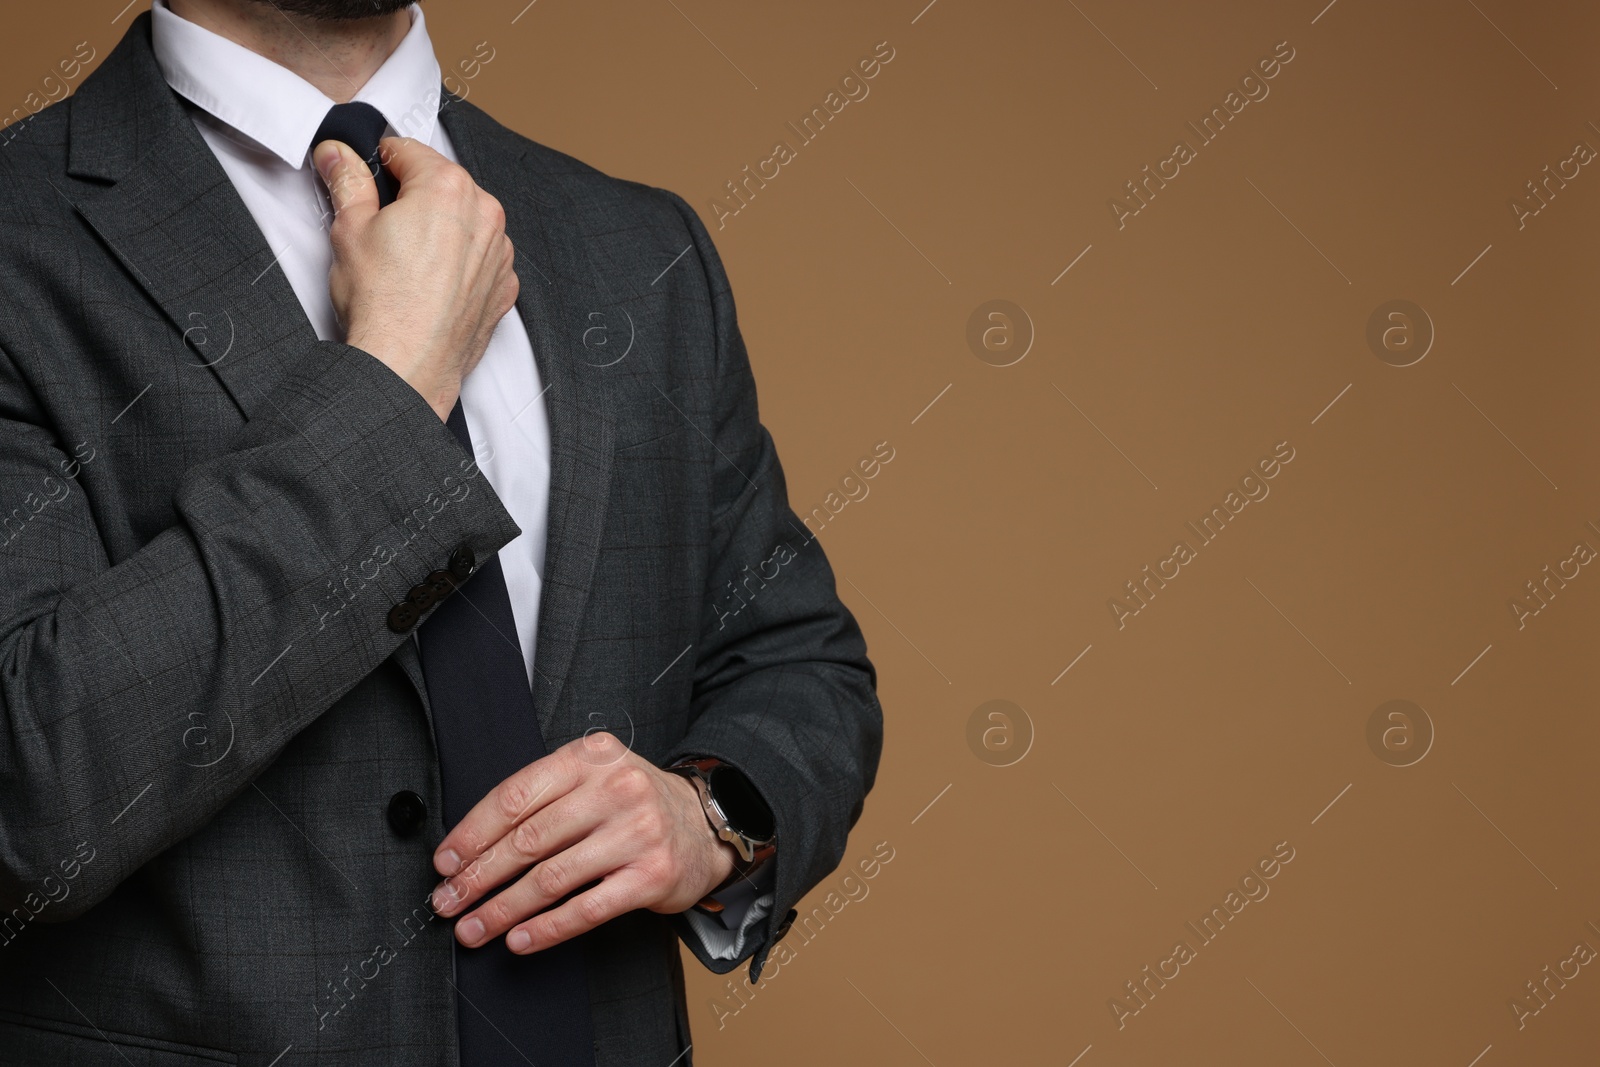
point(275, 107)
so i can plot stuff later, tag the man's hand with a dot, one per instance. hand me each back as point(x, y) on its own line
point(590, 810)
point(421, 284)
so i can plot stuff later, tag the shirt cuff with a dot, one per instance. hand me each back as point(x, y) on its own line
point(744, 904)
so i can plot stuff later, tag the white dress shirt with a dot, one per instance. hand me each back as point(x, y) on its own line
point(259, 119)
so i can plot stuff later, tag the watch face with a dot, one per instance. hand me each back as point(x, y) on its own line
point(746, 812)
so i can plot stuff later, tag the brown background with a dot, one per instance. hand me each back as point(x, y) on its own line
point(1221, 320)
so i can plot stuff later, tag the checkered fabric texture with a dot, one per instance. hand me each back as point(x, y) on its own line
point(205, 516)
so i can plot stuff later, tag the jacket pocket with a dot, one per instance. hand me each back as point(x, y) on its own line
point(30, 1041)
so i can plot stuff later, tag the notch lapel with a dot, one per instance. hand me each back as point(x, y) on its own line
point(174, 219)
point(557, 296)
point(167, 210)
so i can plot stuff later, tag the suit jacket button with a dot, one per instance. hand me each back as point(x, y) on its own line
point(439, 585)
point(407, 812)
point(462, 563)
point(783, 927)
point(403, 616)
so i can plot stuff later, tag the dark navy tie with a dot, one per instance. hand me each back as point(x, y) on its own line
point(361, 127)
point(510, 1010)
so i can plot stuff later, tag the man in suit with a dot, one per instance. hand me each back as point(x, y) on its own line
point(404, 635)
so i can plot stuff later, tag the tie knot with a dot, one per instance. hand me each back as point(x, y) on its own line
point(361, 126)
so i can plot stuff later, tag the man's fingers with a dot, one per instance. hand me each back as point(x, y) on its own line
point(349, 179)
point(540, 783)
point(619, 894)
point(409, 159)
point(555, 827)
point(548, 882)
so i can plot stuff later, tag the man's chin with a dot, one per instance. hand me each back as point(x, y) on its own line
point(339, 10)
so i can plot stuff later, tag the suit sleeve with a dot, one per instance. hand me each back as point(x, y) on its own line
point(137, 699)
point(783, 688)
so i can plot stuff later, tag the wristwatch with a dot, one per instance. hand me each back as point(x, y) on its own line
point(736, 812)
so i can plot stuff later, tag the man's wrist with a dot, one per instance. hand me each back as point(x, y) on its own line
point(440, 395)
point(732, 829)
point(723, 857)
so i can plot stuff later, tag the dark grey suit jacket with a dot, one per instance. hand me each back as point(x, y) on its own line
point(205, 516)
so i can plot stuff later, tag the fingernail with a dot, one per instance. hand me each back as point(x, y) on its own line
point(518, 940)
point(325, 157)
point(447, 862)
point(470, 930)
point(444, 897)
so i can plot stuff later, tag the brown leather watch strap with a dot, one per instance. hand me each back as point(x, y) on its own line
point(707, 764)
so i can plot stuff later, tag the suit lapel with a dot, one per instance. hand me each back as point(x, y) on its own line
point(175, 221)
point(558, 294)
point(167, 210)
